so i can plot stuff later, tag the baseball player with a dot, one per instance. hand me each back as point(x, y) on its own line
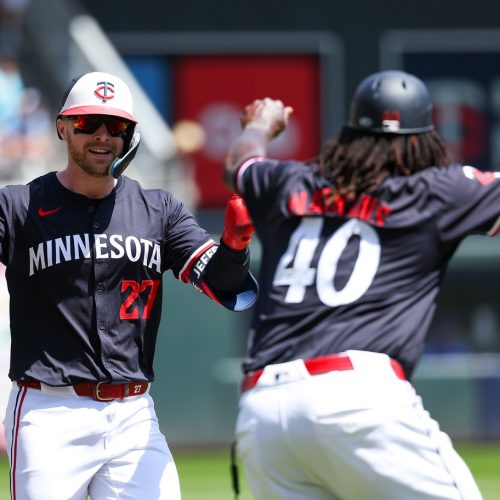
point(354, 248)
point(85, 250)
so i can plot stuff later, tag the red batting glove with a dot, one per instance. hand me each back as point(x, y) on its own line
point(238, 227)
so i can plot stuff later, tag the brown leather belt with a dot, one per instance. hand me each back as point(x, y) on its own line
point(100, 391)
point(321, 364)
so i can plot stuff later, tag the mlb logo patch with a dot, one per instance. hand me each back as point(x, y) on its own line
point(484, 178)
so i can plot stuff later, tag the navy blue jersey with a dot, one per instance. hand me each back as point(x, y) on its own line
point(364, 276)
point(85, 277)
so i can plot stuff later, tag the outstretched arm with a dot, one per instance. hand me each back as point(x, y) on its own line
point(228, 268)
point(261, 121)
point(223, 271)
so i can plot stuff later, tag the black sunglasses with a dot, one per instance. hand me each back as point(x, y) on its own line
point(88, 124)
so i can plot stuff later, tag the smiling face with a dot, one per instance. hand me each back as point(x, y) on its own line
point(91, 153)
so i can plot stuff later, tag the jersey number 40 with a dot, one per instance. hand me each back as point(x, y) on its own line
point(295, 268)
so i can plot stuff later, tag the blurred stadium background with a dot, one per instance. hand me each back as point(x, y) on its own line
point(193, 66)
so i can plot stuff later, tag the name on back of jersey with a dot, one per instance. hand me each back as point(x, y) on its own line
point(323, 202)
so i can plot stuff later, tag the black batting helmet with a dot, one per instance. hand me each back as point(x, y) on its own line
point(391, 102)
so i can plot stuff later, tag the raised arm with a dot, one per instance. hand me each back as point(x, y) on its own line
point(261, 121)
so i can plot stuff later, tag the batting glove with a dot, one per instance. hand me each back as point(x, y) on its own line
point(238, 228)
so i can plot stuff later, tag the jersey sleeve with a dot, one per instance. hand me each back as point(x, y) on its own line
point(474, 202)
point(184, 240)
point(262, 182)
point(5, 217)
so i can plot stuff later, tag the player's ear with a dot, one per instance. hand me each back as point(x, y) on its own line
point(61, 125)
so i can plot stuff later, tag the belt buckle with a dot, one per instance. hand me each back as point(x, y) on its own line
point(96, 393)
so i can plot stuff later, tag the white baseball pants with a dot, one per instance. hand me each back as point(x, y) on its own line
point(348, 435)
point(65, 447)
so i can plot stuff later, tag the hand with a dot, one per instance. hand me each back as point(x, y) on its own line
point(266, 114)
point(238, 228)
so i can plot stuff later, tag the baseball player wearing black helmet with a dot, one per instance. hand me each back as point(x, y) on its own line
point(85, 250)
point(354, 248)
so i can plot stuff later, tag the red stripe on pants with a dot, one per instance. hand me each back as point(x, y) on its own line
point(14, 449)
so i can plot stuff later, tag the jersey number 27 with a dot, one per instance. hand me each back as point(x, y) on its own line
point(129, 308)
point(295, 266)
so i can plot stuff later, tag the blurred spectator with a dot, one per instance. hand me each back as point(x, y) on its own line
point(11, 88)
point(31, 131)
point(25, 141)
point(11, 20)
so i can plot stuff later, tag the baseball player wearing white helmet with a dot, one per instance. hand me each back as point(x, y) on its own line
point(85, 250)
point(354, 248)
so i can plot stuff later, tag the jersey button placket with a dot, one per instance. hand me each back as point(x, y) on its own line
point(99, 295)
point(101, 317)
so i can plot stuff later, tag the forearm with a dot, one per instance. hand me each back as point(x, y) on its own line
point(227, 270)
point(262, 121)
point(250, 143)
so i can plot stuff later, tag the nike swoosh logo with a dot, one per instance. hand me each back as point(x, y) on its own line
point(43, 213)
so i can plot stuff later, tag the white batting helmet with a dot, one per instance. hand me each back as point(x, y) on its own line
point(97, 93)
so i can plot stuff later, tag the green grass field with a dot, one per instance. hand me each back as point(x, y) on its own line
point(206, 476)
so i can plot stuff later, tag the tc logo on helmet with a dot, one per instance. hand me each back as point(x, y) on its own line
point(105, 91)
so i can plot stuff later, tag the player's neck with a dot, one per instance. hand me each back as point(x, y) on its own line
point(92, 187)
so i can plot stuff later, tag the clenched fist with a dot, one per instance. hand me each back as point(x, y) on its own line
point(267, 114)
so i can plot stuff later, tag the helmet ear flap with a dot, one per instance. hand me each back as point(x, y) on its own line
point(391, 102)
point(127, 137)
point(129, 151)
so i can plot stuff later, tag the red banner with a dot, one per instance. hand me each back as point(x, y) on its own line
point(213, 90)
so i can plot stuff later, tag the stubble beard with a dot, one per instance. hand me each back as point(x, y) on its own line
point(91, 168)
